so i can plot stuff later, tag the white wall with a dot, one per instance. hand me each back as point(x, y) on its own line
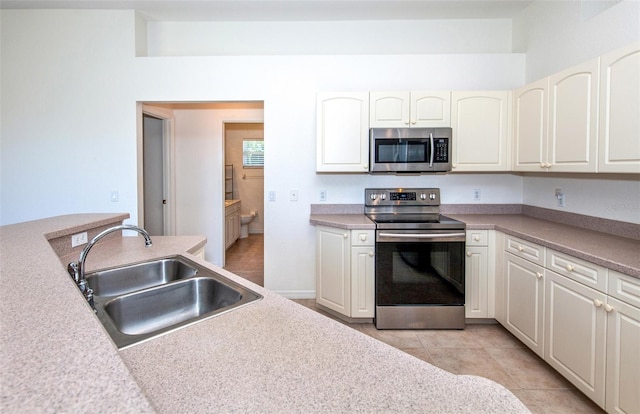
point(328, 37)
point(70, 82)
point(616, 198)
point(559, 34)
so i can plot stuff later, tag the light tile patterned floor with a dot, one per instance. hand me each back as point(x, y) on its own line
point(485, 350)
point(246, 258)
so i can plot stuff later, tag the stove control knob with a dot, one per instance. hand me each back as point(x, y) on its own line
point(432, 196)
point(423, 196)
point(373, 196)
point(383, 196)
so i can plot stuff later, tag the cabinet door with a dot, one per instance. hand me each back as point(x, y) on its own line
point(389, 109)
point(623, 358)
point(619, 108)
point(575, 327)
point(342, 132)
point(524, 301)
point(573, 118)
point(481, 122)
point(476, 283)
point(362, 282)
point(333, 284)
point(530, 106)
point(430, 109)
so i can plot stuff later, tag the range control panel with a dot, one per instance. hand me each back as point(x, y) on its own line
point(401, 197)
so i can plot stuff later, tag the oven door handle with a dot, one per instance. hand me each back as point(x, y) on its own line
point(422, 235)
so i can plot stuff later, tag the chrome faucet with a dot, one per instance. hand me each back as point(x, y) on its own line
point(76, 269)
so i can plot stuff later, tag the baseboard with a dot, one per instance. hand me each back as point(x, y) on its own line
point(296, 294)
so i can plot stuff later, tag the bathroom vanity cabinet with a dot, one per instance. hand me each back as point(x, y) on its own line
point(231, 223)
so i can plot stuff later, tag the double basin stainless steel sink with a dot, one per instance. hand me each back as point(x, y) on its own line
point(144, 300)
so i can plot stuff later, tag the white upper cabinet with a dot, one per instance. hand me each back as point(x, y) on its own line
point(573, 119)
point(481, 125)
point(342, 132)
point(531, 114)
point(619, 148)
point(410, 109)
point(555, 122)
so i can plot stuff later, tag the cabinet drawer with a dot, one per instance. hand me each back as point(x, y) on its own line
point(579, 270)
point(363, 237)
point(527, 250)
point(477, 237)
point(625, 288)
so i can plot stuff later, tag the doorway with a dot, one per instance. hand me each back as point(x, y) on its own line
point(244, 180)
point(194, 168)
point(153, 174)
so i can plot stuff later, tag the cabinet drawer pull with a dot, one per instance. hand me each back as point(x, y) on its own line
point(520, 248)
point(597, 303)
point(539, 275)
point(363, 237)
point(569, 268)
point(476, 238)
point(608, 308)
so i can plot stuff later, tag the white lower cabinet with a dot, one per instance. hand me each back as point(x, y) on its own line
point(575, 332)
point(582, 318)
point(623, 344)
point(345, 271)
point(479, 274)
point(524, 301)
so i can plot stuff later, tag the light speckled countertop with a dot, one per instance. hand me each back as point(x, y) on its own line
point(614, 252)
point(271, 356)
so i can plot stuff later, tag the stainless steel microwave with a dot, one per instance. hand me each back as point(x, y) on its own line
point(409, 150)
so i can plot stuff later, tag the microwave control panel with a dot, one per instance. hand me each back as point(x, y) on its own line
point(441, 150)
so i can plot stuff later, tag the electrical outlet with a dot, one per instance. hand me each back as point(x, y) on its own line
point(78, 239)
point(323, 195)
point(293, 195)
point(560, 197)
point(476, 194)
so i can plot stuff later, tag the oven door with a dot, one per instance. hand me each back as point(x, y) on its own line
point(419, 268)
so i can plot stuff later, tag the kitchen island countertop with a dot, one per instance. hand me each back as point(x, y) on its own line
point(271, 356)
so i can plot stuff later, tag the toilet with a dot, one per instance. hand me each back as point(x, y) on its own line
point(245, 219)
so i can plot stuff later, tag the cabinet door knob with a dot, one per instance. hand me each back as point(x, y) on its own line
point(597, 303)
point(548, 165)
point(569, 268)
point(468, 253)
point(542, 165)
point(370, 253)
point(539, 275)
point(345, 235)
point(608, 308)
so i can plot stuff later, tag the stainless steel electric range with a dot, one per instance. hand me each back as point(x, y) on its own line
point(419, 260)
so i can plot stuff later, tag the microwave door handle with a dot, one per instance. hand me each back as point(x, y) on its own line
point(431, 153)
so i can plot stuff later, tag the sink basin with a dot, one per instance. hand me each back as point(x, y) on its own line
point(145, 300)
point(154, 309)
point(126, 279)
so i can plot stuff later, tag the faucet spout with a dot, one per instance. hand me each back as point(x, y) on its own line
point(76, 269)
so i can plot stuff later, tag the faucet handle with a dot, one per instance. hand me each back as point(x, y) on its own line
point(72, 268)
point(88, 294)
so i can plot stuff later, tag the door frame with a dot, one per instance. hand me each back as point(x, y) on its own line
point(168, 143)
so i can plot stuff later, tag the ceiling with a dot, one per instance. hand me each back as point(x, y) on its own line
point(291, 10)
